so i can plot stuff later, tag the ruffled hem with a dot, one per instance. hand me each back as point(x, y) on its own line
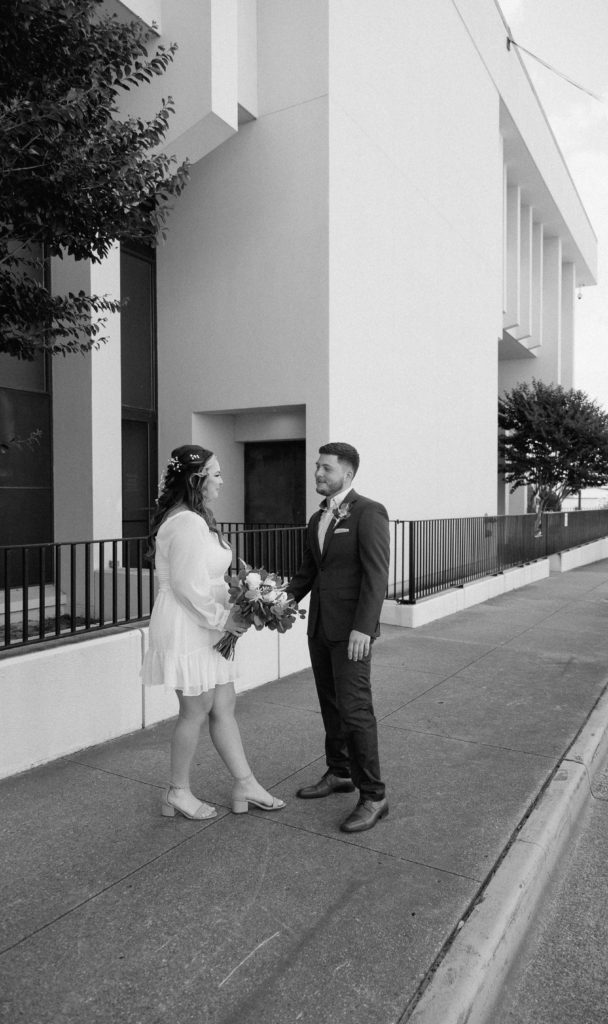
point(193, 673)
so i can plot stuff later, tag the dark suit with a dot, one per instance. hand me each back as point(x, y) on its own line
point(347, 584)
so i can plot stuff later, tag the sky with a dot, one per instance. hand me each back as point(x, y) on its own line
point(573, 38)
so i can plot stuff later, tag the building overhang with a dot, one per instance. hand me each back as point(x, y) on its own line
point(579, 243)
point(212, 79)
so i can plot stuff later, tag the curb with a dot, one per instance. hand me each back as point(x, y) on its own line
point(468, 979)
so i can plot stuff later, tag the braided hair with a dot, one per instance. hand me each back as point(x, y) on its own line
point(182, 484)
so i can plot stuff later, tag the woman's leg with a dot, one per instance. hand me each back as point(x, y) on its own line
point(226, 738)
point(192, 713)
point(225, 733)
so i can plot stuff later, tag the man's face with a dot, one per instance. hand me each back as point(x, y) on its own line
point(332, 476)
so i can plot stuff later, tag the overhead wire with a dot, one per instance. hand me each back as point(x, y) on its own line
point(511, 42)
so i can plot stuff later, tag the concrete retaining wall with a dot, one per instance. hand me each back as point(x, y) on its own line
point(57, 700)
point(564, 561)
point(60, 699)
point(451, 601)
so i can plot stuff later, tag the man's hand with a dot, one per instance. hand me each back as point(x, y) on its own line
point(358, 645)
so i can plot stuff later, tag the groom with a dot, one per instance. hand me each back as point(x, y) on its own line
point(345, 569)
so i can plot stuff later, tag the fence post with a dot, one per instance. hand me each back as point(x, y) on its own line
point(412, 563)
point(545, 529)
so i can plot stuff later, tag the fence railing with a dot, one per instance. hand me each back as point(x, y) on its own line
point(58, 590)
point(50, 591)
point(432, 555)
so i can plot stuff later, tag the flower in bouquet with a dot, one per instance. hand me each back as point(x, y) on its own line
point(261, 601)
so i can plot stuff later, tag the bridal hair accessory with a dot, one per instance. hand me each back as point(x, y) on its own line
point(172, 468)
point(188, 456)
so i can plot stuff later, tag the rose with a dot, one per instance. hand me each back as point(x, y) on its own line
point(253, 580)
point(282, 598)
point(270, 596)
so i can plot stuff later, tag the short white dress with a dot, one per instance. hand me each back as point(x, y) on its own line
point(190, 610)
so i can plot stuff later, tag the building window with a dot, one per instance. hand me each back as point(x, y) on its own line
point(139, 388)
point(26, 446)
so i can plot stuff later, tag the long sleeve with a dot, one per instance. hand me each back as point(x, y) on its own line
point(189, 575)
point(374, 555)
point(300, 584)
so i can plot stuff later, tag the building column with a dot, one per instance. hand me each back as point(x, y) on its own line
point(87, 415)
point(552, 309)
point(525, 274)
point(567, 323)
point(537, 285)
point(512, 258)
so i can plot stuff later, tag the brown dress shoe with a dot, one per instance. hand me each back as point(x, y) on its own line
point(328, 784)
point(365, 815)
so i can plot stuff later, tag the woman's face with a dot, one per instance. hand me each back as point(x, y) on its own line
point(212, 481)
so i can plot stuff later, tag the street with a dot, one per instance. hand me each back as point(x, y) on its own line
point(561, 976)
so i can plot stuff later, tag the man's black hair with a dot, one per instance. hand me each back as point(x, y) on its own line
point(344, 452)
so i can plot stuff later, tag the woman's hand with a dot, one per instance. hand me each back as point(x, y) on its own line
point(236, 623)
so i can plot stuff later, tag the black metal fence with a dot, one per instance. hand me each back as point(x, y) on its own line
point(58, 590)
point(50, 591)
point(278, 549)
point(432, 555)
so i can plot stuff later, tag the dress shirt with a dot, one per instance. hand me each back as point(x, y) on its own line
point(328, 507)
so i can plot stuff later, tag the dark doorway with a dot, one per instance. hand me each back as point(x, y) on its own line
point(275, 482)
point(138, 381)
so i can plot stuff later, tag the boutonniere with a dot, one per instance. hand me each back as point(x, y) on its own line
point(341, 513)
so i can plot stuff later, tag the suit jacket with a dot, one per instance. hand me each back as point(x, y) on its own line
point(347, 581)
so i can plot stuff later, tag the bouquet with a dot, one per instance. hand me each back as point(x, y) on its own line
point(261, 599)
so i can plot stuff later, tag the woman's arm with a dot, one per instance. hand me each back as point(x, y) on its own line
point(188, 573)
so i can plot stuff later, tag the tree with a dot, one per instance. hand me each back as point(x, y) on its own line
point(553, 440)
point(75, 177)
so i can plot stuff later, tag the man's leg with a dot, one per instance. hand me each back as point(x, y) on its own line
point(336, 749)
point(355, 707)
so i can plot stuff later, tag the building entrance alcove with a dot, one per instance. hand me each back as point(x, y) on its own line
point(262, 454)
point(275, 482)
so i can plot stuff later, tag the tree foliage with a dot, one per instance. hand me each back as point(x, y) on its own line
point(75, 176)
point(553, 440)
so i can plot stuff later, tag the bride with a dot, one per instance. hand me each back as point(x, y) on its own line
point(190, 614)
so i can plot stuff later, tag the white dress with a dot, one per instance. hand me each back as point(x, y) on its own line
point(191, 608)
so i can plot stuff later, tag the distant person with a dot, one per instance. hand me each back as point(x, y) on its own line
point(190, 614)
point(345, 569)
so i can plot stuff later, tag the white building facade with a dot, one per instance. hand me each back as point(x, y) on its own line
point(379, 235)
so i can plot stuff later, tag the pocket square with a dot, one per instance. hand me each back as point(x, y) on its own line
point(341, 530)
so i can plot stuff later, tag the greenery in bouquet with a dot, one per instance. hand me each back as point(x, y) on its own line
point(262, 602)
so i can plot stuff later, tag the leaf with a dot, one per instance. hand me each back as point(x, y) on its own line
point(553, 440)
point(76, 177)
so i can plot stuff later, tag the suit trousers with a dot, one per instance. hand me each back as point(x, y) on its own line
point(345, 698)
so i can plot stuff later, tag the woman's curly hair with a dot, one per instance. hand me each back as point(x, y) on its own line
point(182, 484)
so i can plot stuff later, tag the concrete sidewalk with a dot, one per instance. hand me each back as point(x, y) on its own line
point(112, 913)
